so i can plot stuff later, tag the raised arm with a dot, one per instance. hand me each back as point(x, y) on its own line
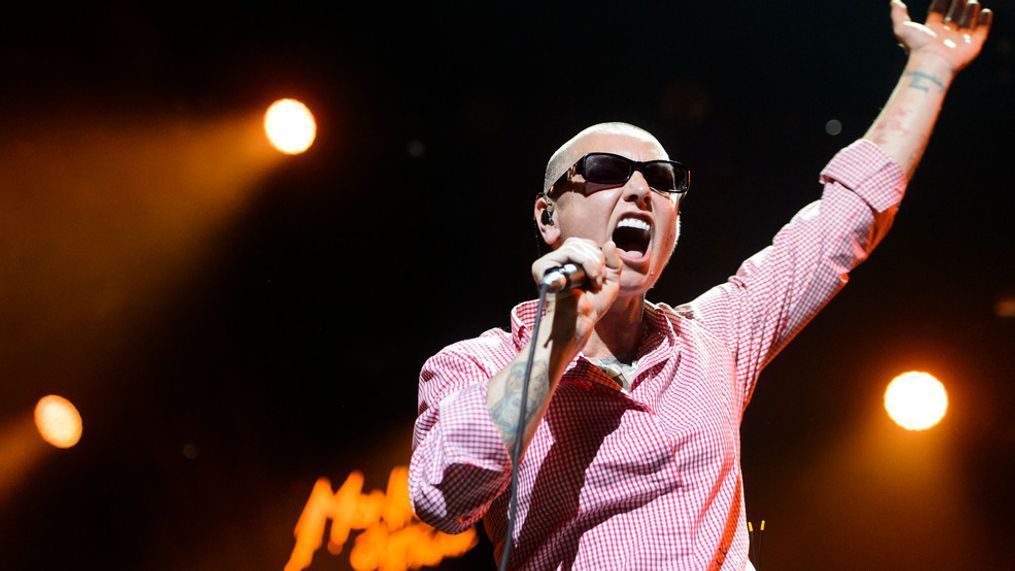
point(776, 292)
point(950, 39)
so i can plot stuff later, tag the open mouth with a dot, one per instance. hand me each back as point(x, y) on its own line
point(633, 235)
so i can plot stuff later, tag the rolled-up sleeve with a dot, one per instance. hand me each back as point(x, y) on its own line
point(777, 291)
point(459, 461)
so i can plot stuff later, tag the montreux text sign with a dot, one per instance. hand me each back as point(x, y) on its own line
point(393, 539)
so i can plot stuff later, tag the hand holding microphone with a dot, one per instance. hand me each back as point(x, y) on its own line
point(580, 260)
point(563, 278)
point(586, 279)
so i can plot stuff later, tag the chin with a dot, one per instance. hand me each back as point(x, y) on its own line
point(634, 287)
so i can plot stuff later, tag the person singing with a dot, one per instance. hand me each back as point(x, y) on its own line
point(631, 447)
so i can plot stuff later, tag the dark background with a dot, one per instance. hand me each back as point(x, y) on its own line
point(285, 344)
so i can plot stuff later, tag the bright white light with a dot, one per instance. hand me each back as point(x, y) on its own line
point(290, 126)
point(59, 423)
point(916, 401)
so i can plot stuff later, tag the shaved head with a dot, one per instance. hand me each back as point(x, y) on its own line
point(620, 138)
point(577, 147)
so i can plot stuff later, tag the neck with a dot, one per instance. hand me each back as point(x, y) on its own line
point(618, 333)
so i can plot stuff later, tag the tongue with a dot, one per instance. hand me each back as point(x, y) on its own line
point(630, 255)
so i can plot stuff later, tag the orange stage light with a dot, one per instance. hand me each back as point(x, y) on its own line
point(290, 126)
point(916, 400)
point(59, 423)
point(1006, 307)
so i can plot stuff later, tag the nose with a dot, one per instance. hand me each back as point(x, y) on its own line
point(637, 190)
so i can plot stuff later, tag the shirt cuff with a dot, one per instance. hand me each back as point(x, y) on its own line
point(469, 431)
point(869, 172)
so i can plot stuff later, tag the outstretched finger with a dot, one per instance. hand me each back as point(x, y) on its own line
point(956, 10)
point(970, 15)
point(983, 23)
point(936, 12)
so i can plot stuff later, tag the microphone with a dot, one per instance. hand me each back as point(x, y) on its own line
point(563, 278)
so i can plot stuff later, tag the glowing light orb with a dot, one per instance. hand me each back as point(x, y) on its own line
point(290, 126)
point(916, 401)
point(59, 423)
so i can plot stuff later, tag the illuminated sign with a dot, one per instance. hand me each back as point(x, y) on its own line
point(393, 539)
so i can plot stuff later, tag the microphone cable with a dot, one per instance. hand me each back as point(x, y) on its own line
point(516, 452)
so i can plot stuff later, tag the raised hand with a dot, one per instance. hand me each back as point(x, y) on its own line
point(954, 31)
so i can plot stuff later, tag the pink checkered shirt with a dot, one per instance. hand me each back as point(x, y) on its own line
point(647, 478)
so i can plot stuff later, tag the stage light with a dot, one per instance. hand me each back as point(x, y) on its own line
point(1005, 307)
point(58, 421)
point(916, 400)
point(290, 126)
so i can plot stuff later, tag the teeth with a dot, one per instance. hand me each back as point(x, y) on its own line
point(633, 223)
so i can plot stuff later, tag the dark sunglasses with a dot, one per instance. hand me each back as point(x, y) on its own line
point(668, 177)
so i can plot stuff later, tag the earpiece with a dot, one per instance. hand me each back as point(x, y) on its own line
point(547, 217)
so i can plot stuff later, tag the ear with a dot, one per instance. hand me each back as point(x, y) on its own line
point(549, 232)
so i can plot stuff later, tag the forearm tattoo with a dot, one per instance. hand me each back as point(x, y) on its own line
point(922, 81)
point(505, 411)
point(892, 123)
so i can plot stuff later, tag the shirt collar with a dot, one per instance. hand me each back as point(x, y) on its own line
point(523, 316)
